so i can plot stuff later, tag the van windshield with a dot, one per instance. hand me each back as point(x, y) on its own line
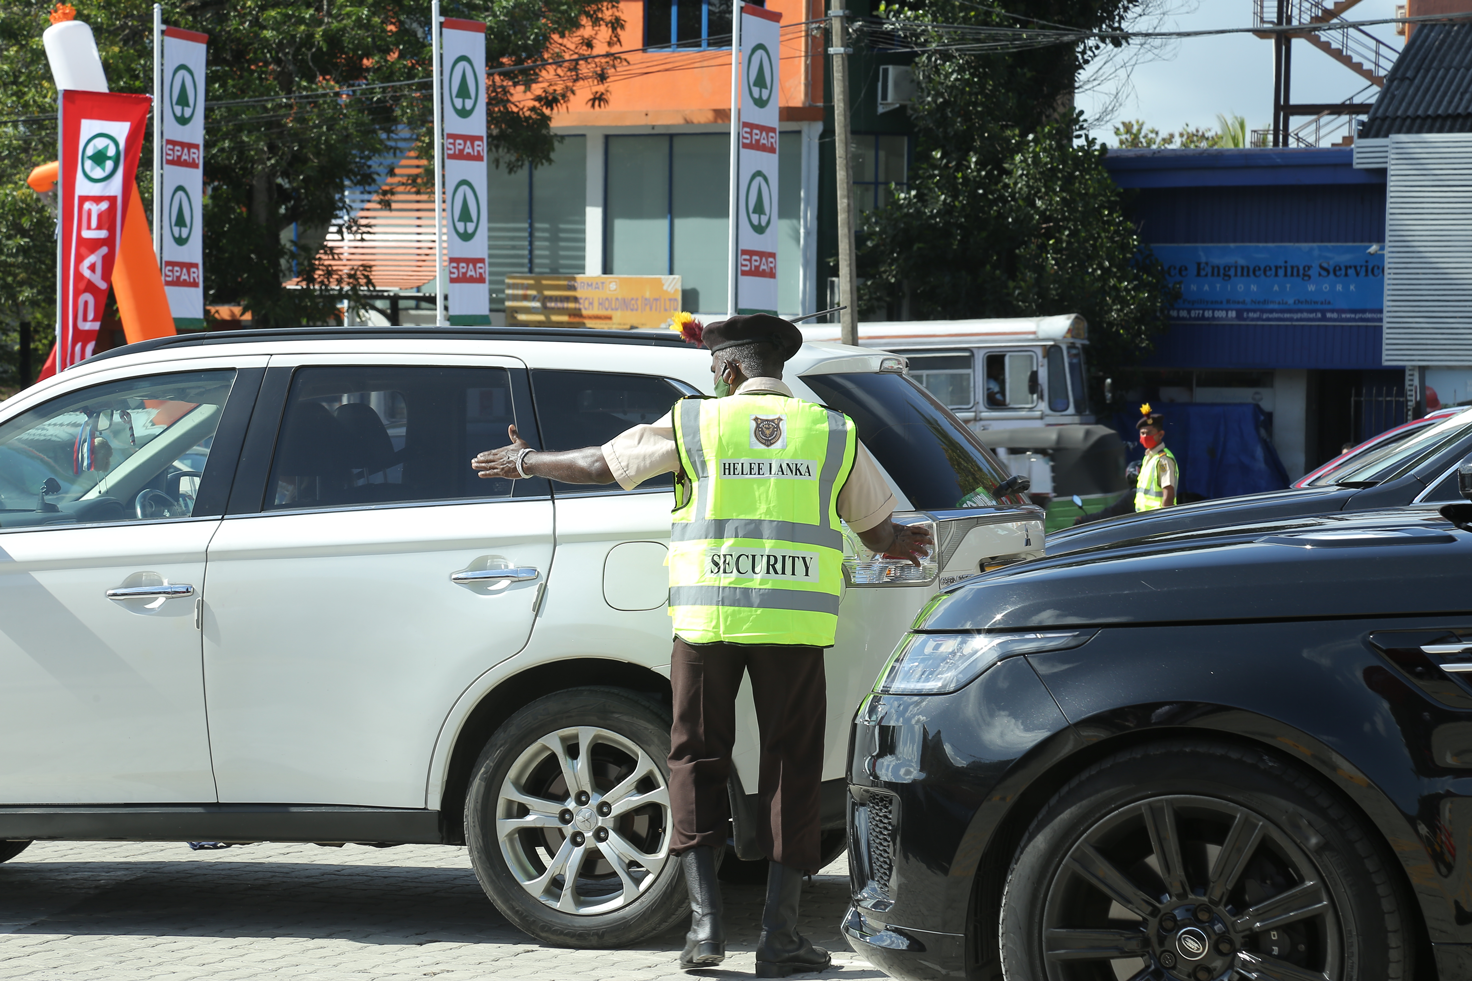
point(937, 462)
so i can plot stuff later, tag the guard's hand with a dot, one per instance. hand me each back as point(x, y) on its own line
point(911, 542)
point(501, 463)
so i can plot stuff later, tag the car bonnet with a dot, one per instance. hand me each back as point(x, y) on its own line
point(1409, 561)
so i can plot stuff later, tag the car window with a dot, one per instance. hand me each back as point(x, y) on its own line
point(1076, 375)
point(1057, 380)
point(937, 462)
point(948, 375)
point(127, 450)
point(589, 408)
point(1011, 380)
point(373, 435)
point(1395, 457)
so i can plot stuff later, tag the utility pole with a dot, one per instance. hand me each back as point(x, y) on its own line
point(847, 286)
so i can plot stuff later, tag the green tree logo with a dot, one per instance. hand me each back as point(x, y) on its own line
point(101, 157)
point(759, 76)
point(759, 203)
point(465, 211)
point(464, 87)
point(181, 217)
point(183, 95)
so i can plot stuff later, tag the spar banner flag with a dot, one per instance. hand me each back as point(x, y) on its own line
point(464, 95)
point(756, 279)
point(182, 131)
point(101, 136)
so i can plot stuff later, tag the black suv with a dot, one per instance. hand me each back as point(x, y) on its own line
point(1239, 754)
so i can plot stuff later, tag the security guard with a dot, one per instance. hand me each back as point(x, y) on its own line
point(755, 572)
point(1159, 475)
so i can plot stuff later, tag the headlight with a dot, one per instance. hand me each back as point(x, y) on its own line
point(934, 664)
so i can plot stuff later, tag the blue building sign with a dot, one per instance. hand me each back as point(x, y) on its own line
point(1275, 284)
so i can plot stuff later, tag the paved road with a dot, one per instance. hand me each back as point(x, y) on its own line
point(128, 912)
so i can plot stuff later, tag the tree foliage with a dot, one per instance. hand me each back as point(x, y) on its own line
point(1008, 210)
point(304, 102)
point(1134, 134)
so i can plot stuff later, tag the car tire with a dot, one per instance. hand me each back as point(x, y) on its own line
point(10, 849)
point(533, 810)
point(1255, 863)
point(753, 873)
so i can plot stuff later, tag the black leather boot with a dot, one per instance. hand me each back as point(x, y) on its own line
point(705, 944)
point(782, 950)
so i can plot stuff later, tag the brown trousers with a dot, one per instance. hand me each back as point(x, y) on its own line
point(791, 695)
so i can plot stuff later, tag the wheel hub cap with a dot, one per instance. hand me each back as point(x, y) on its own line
point(1191, 944)
point(585, 819)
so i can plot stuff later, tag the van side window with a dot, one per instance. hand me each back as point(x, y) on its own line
point(1011, 380)
point(948, 375)
point(1057, 380)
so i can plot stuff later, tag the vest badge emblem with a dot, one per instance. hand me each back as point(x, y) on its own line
point(767, 432)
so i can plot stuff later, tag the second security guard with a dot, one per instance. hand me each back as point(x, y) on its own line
point(756, 554)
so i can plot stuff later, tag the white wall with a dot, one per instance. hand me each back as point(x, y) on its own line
point(1290, 419)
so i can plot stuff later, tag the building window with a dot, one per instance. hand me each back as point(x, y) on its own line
point(536, 218)
point(688, 24)
point(666, 202)
point(879, 161)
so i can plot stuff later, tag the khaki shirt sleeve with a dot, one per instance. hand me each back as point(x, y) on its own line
point(637, 454)
point(1168, 472)
point(865, 500)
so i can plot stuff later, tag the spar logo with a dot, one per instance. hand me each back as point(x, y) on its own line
point(464, 87)
point(181, 216)
point(101, 157)
point(759, 76)
point(759, 203)
point(183, 95)
point(465, 211)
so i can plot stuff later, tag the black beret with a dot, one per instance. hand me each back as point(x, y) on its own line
point(750, 328)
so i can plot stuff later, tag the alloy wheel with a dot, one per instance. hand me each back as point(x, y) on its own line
point(1187, 888)
point(583, 820)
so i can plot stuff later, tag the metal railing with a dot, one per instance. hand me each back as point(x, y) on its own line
point(1356, 42)
point(1375, 408)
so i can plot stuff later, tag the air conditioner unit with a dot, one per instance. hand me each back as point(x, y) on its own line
point(896, 86)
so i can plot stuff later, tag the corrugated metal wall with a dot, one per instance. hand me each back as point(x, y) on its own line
point(1428, 250)
point(1327, 213)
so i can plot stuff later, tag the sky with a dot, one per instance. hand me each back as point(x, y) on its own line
point(1193, 79)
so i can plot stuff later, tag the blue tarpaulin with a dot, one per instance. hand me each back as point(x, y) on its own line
point(1223, 450)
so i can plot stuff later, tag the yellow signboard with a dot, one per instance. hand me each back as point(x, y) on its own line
point(616, 302)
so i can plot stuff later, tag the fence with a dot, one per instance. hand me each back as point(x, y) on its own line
point(1375, 408)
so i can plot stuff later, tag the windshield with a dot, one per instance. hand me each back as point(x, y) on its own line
point(937, 462)
point(1396, 456)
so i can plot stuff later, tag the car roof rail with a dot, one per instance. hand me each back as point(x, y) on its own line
point(658, 338)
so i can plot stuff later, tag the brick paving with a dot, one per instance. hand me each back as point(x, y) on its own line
point(128, 912)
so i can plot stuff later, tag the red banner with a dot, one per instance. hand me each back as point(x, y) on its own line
point(101, 136)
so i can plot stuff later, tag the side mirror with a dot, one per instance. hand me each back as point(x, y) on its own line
point(1032, 382)
point(1078, 502)
point(1015, 484)
point(1464, 481)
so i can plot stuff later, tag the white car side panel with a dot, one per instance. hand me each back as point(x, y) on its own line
point(335, 640)
point(102, 700)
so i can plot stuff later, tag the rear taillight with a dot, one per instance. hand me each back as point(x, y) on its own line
point(862, 567)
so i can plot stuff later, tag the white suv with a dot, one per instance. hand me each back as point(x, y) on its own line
point(251, 589)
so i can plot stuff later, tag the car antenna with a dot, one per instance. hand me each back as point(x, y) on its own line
point(798, 320)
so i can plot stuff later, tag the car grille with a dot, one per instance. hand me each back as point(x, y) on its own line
point(881, 839)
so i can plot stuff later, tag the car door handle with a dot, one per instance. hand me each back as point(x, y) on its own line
point(496, 575)
point(171, 591)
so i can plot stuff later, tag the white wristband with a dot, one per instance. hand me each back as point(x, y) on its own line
point(519, 458)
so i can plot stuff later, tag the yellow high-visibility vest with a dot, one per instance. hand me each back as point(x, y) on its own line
point(756, 548)
point(1148, 493)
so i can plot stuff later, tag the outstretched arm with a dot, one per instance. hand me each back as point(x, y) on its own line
point(584, 466)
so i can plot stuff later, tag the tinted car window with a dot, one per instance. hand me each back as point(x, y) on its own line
point(937, 462)
point(126, 450)
point(368, 435)
point(589, 408)
point(1391, 460)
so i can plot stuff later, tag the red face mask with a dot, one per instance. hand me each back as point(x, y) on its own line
point(1149, 440)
